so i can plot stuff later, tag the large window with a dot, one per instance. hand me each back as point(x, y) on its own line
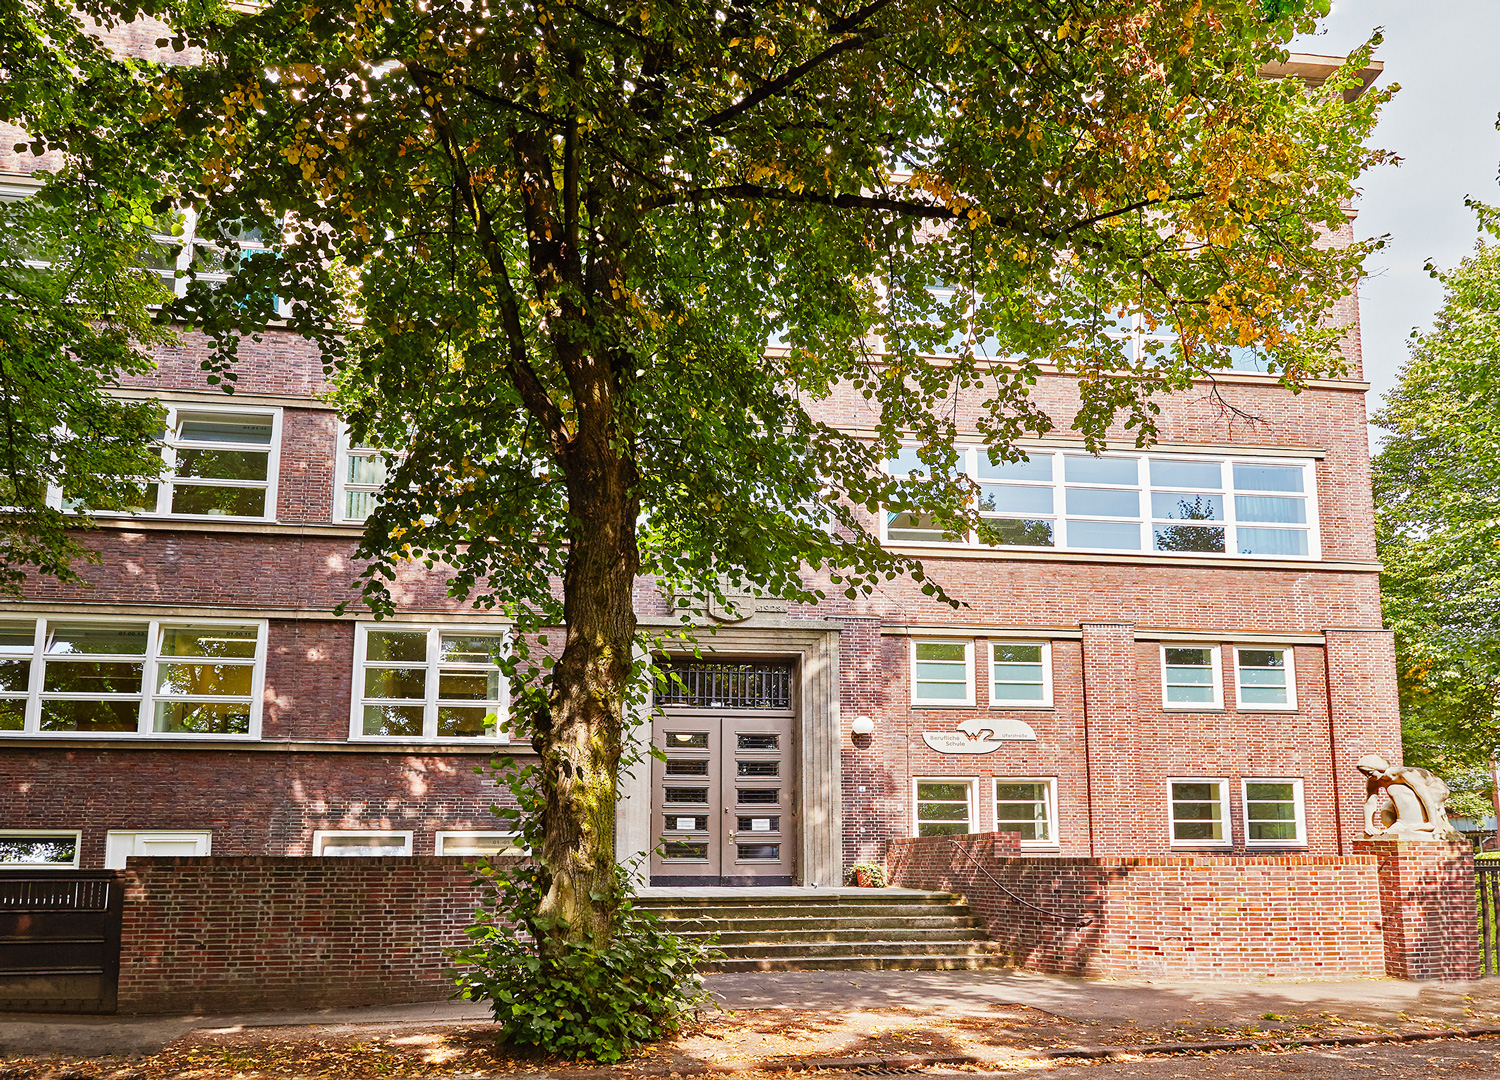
point(1264, 680)
point(432, 682)
point(46, 849)
point(1026, 807)
point(1190, 677)
point(1274, 815)
point(1020, 674)
point(942, 673)
point(67, 675)
point(1168, 504)
point(1200, 812)
point(944, 807)
point(359, 475)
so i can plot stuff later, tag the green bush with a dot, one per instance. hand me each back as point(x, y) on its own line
point(874, 873)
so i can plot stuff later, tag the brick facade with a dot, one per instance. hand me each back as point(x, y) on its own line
point(1427, 907)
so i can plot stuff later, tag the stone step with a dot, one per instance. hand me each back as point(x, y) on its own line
point(789, 938)
point(862, 898)
point(775, 923)
point(863, 963)
point(821, 949)
point(810, 911)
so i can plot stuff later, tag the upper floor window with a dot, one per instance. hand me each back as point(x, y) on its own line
point(1020, 674)
point(74, 676)
point(1168, 504)
point(428, 682)
point(942, 673)
point(358, 477)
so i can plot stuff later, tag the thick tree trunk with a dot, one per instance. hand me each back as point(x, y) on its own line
point(579, 741)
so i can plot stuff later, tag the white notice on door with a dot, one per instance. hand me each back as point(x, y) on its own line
point(686, 822)
point(760, 824)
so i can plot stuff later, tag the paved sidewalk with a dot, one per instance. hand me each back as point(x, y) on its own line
point(1156, 1011)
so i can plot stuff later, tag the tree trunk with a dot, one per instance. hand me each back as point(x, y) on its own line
point(579, 741)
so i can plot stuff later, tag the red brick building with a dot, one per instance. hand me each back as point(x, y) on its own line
point(1162, 651)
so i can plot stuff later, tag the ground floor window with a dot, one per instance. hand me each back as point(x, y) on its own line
point(122, 844)
point(1274, 814)
point(944, 807)
point(350, 844)
point(478, 844)
point(1027, 808)
point(45, 849)
point(429, 682)
point(1199, 812)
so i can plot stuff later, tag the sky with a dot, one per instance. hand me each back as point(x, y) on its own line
point(1442, 124)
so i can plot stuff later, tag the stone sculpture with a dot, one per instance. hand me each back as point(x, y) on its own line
point(1414, 807)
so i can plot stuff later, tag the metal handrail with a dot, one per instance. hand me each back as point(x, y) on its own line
point(1068, 920)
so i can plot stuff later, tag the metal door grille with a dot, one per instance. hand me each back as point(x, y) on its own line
point(59, 941)
point(711, 684)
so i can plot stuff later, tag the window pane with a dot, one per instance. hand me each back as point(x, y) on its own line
point(470, 648)
point(1017, 691)
point(17, 639)
point(687, 740)
point(942, 650)
point(395, 683)
point(1039, 468)
point(917, 527)
point(942, 828)
point(1103, 502)
point(1278, 793)
point(227, 641)
point(1101, 470)
point(1263, 658)
point(906, 461)
point(1017, 654)
point(15, 675)
point(469, 686)
point(1190, 657)
point(221, 680)
point(403, 720)
point(1270, 508)
point(684, 849)
point(12, 714)
point(202, 427)
point(1188, 538)
point(1115, 535)
point(90, 715)
point(1180, 507)
point(995, 498)
point(397, 646)
point(466, 722)
point(359, 505)
point(203, 718)
point(1009, 532)
point(1189, 474)
point(1197, 792)
point(1190, 694)
point(1268, 477)
point(1271, 541)
point(363, 846)
point(38, 850)
point(92, 677)
point(941, 790)
point(942, 691)
point(219, 501)
point(365, 469)
point(759, 851)
point(223, 464)
point(124, 639)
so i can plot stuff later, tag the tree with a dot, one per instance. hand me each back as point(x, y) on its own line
point(1437, 499)
point(543, 245)
point(77, 314)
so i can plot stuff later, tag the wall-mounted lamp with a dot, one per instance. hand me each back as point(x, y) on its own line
point(862, 725)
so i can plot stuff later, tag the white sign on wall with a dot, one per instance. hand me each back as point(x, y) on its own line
point(982, 735)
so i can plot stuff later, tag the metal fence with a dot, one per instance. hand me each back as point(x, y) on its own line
point(59, 941)
point(1487, 886)
point(718, 684)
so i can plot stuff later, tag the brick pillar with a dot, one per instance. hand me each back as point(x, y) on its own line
point(1427, 907)
point(1363, 716)
point(1111, 736)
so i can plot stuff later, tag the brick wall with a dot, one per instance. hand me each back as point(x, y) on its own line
point(1427, 902)
point(230, 934)
point(1184, 918)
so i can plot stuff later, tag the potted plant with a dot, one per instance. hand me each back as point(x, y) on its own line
point(865, 875)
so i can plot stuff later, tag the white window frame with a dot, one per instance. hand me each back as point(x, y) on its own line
point(1050, 783)
point(1217, 705)
point(1290, 667)
point(1046, 699)
point(46, 834)
point(117, 838)
point(1301, 805)
point(1224, 813)
point(341, 485)
point(320, 836)
point(431, 665)
point(970, 784)
point(946, 703)
point(150, 661)
point(969, 458)
point(509, 840)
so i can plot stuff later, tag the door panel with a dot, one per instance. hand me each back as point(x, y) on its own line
point(723, 805)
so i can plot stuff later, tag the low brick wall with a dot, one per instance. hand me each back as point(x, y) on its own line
point(232, 934)
point(1180, 917)
point(1427, 904)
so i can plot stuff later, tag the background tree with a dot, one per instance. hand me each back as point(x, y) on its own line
point(76, 314)
point(1437, 499)
point(543, 244)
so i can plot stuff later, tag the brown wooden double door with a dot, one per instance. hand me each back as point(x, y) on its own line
point(723, 800)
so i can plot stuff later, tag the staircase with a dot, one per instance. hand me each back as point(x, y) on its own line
point(828, 929)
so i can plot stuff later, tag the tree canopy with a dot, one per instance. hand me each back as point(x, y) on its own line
point(544, 244)
point(1437, 499)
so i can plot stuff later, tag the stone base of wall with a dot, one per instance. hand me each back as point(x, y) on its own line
point(231, 934)
point(1187, 918)
point(1427, 905)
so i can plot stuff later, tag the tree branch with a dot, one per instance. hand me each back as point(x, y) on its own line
point(749, 192)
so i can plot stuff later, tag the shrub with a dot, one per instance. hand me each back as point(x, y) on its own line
point(873, 873)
